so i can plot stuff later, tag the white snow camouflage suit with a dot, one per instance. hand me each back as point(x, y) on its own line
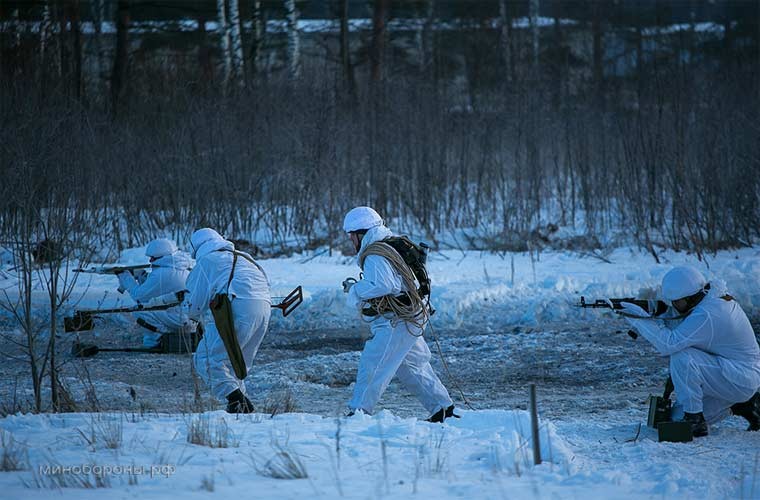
point(391, 350)
point(167, 275)
point(714, 355)
point(251, 308)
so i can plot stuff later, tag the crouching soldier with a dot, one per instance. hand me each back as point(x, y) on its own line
point(236, 288)
point(714, 354)
point(169, 269)
point(389, 298)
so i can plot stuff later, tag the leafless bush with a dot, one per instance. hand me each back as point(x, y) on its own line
point(281, 400)
point(111, 431)
point(12, 405)
point(207, 483)
point(284, 464)
point(217, 434)
point(107, 430)
point(14, 456)
point(432, 456)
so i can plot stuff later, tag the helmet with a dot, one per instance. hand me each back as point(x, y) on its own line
point(361, 218)
point(160, 247)
point(202, 236)
point(682, 281)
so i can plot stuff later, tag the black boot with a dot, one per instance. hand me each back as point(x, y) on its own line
point(238, 403)
point(750, 410)
point(442, 414)
point(698, 424)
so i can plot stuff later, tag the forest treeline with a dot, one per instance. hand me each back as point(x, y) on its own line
point(520, 134)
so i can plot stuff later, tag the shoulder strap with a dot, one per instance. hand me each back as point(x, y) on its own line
point(232, 271)
point(247, 257)
point(250, 259)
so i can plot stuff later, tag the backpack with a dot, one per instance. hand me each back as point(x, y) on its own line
point(415, 256)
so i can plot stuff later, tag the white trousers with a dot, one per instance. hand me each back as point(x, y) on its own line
point(394, 351)
point(212, 363)
point(704, 383)
point(168, 321)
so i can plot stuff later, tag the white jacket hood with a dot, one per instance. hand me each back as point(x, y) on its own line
point(377, 233)
point(212, 245)
point(201, 237)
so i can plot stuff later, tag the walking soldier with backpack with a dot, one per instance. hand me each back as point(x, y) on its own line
point(388, 297)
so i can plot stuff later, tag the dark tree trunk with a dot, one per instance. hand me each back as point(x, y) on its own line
point(204, 55)
point(505, 10)
point(345, 46)
point(63, 62)
point(121, 60)
point(76, 34)
point(377, 49)
point(596, 28)
point(257, 41)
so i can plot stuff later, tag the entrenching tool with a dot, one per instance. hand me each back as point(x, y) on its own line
point(290, 302)
point(171, 343)
point(82, 320)
point(83, 350)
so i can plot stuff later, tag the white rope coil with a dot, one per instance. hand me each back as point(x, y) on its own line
point(416, 313)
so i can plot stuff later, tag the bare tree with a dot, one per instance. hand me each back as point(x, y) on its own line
point(507, 45)
point(597, 55)
point(294, 40)
point(225, 42)
point(236, 43)
point(377, 50)
point(345, 47)
point(533, 6)
point(259, 31)
point(121, 58)
point(97, 8)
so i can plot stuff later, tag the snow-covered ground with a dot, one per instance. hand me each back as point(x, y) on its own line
point(485, 454)
point(470, 289)
point(503, 322)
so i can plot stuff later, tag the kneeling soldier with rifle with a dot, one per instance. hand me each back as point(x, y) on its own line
point(169, 269)
point(714, 354)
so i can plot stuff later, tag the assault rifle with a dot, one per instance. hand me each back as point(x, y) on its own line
point(112, 269)
point(653, 307)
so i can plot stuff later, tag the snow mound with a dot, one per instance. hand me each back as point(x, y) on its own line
point(154, 455)
point(470, 288)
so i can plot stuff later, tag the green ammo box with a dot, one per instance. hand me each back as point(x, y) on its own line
point(80, 322)
point(659, 411)
point(179, 343)
point(674, 432)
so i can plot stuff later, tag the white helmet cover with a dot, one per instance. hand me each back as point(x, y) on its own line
point(202, 236)
point(360, 218)
point(682, 281)
point(160, 247)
